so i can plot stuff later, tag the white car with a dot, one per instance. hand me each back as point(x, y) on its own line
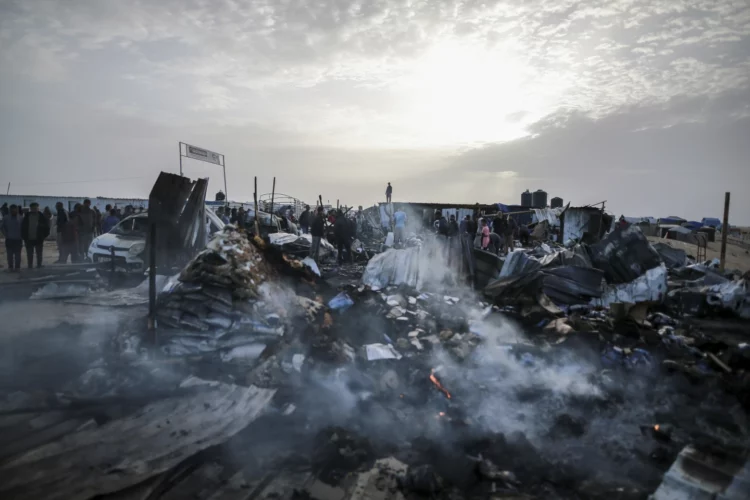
point(128, 238)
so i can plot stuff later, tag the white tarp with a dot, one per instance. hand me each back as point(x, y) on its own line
point(417, 267)
point(649, 287)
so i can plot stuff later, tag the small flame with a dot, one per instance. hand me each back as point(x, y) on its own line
point(441, 414)
point(437, 383)
point(656, 427)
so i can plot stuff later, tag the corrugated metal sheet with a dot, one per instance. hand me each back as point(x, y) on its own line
point(697, 475)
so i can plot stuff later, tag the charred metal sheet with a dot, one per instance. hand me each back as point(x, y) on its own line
point(698, 475)
point(573, 285)
point(177, 208)
point(127, 451)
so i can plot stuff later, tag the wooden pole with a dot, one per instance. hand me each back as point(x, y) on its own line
point(724, 233)
point(152, 283)
point(255, 200)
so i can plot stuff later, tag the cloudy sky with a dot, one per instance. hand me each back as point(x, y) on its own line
point(643, 103)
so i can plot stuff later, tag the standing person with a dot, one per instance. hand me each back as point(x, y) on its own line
point(510, 228)
point(485, 235)
point(98, 220)
point(453, 228)
point(304, 220)
point(71, 236)
point(317, 229)
point(86, 224)
point(34, 229)
point(4, 210)
point(62, 222)
point(524, 234)
point(110, 221)
point(399, 220)
point(498, 224)
point(48, 214)
point(388, 193)
point(11, 229)
point(341, 232)
point(464, 226)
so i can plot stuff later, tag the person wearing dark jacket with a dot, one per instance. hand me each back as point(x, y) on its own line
point(453, 228)
point(304, 220)
point(4, 210)
point(62, 221)
point(317, 230)
point(34, 229)
point(498, 225)
point(341, 232)
point(11, 229)
point(388, 193)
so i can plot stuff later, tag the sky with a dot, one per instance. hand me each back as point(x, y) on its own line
point(642, 103)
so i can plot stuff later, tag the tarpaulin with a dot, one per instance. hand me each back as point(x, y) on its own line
point(672, 257)
point(624, 255)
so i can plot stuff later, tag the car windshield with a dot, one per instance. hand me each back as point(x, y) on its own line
point(132, 226)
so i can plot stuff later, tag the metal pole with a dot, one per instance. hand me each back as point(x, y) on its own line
point(273, 193)
point(112, 267)
point(152, 283)
point(179, 148)
point(724, 233)
point(224, 166)
point(8, 191)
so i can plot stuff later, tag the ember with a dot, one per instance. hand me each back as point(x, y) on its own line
point(437, 383)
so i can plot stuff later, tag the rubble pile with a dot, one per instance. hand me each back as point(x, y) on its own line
point(582, 372)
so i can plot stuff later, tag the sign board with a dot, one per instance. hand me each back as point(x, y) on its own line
point(202, 154)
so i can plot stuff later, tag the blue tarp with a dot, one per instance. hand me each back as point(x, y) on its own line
point(692, 225)
point(671, 220)
point(711, 222)
point(503, 208)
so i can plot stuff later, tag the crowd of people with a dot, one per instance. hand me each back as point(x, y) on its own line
point(73, 230)
point(497, 235)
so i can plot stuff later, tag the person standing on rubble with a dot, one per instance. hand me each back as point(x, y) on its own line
point(510, 229)
point(317, 230)
point(399, 223)
point(388, 193)
point(34, 230)
point(341, 232)
point(304, 220)
point(86, 221)
point(11, 229)
point(524, 235)
point(485, 231)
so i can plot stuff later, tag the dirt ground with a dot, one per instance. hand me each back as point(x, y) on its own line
point(737, 257)
point(50, 255)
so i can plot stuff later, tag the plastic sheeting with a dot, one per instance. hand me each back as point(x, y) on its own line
point(551, 215)
point(672, 257)
point(649, 287)
point(393, 267)
point(624, 255)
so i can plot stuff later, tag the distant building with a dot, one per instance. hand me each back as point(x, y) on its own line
point(556, 202)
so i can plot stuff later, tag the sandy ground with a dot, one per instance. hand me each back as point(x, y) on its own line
point(737, 256)
point(50, 254)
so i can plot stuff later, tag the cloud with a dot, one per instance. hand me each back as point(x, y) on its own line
point(383, 85)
